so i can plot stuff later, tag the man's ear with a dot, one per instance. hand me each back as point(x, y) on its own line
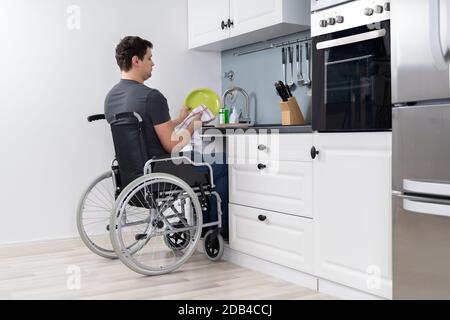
point(135, 60)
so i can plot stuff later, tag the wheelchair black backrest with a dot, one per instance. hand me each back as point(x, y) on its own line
point(131, 153)
point(129, 139)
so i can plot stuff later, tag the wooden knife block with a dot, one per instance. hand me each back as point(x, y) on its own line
point(291, 113)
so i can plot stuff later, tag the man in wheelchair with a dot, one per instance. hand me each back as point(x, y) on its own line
point(130, 95)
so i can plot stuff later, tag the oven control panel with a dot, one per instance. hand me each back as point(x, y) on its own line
point(349, 15)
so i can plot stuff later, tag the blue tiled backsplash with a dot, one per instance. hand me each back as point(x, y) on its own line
point(257, 72)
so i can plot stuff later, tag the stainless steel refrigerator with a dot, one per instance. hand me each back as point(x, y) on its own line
point(421, 148)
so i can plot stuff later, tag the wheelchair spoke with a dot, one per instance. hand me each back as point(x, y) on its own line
point(103, 196)
point(102, 205)
point(95, 205)
point(109, 190)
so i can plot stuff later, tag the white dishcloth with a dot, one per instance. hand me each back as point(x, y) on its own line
point(207, 116)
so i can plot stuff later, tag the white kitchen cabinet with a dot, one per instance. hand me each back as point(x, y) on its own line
point(282, 186)
point(205, 21)
point(252, 15)
point(352, 210)
point(280, 238)
point(224, 24)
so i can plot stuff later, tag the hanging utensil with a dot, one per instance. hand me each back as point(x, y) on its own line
point(283, 61)
point(308, 68)
point(291, 84)
point(300, 79)
point(308, 57)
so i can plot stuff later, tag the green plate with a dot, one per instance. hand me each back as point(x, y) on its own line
point(203, 96)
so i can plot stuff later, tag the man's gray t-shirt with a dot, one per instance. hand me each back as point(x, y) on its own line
point(132, 96)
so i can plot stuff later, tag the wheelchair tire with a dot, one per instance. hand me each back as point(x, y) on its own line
point(213, 245)
point(151, 256)
point(177, 240)
point(94, 213)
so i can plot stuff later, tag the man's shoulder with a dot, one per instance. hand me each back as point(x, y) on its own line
point(155, 94)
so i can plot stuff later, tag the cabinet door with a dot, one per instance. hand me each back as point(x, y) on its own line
point(352, 210)
point(282, 186)
point(205, 18)
point(251, 15)
point(276, 237)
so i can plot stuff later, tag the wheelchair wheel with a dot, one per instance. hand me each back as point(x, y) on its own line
point(93, 215)
point(213, 245)
point(177, 240)
point(161, 205)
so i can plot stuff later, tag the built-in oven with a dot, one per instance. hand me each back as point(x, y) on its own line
point(351, 86)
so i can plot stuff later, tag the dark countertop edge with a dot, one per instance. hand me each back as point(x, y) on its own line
point(213, 131)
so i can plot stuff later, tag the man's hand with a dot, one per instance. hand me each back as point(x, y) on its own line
point(184, 112)
point(196, 122)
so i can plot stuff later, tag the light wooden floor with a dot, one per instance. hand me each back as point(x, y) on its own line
point(43, 271)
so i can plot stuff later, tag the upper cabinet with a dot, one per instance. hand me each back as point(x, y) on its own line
point(224, 24)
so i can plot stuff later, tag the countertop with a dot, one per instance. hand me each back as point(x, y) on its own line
point(257, 128)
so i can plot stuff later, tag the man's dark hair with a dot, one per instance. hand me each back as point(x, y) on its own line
point(129, 47)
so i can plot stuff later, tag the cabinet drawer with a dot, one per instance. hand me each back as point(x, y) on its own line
point(283, 186)
point(287, 147)
point(280, 238)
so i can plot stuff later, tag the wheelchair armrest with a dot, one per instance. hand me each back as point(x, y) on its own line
point(182, 159)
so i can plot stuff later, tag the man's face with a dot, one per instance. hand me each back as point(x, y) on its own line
point(146, 65)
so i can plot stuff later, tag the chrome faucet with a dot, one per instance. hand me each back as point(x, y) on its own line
point(245, 116)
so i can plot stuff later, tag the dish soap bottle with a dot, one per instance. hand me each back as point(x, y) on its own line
point(233, 115)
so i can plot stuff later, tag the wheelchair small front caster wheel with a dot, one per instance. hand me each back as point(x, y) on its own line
point(213, 245)
point(177, 240)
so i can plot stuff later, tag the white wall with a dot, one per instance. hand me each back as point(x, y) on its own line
point(52, 78)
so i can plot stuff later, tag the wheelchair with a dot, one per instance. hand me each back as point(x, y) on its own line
point(148, 211)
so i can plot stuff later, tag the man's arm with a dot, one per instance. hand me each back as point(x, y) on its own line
point(170, 140)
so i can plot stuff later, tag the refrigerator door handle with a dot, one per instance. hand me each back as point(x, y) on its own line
point(434, 209)
point(439, 53)
point(437, 188)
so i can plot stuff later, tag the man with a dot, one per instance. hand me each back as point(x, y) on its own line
point(134, 58)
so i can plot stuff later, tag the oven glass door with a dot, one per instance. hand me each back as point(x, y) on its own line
point(352, 80)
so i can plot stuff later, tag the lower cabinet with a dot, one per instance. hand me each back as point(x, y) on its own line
point(330, 216)
point(352, 210)
point(272, 236)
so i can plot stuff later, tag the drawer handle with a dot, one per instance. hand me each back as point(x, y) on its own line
point(262, 218)
point(314, 152)
point(262, 147)
point(261, 166)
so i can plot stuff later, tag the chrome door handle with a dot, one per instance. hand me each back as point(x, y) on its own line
point(351, 39)
point(439, 53)
point(438, 188)
point(434, 209)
